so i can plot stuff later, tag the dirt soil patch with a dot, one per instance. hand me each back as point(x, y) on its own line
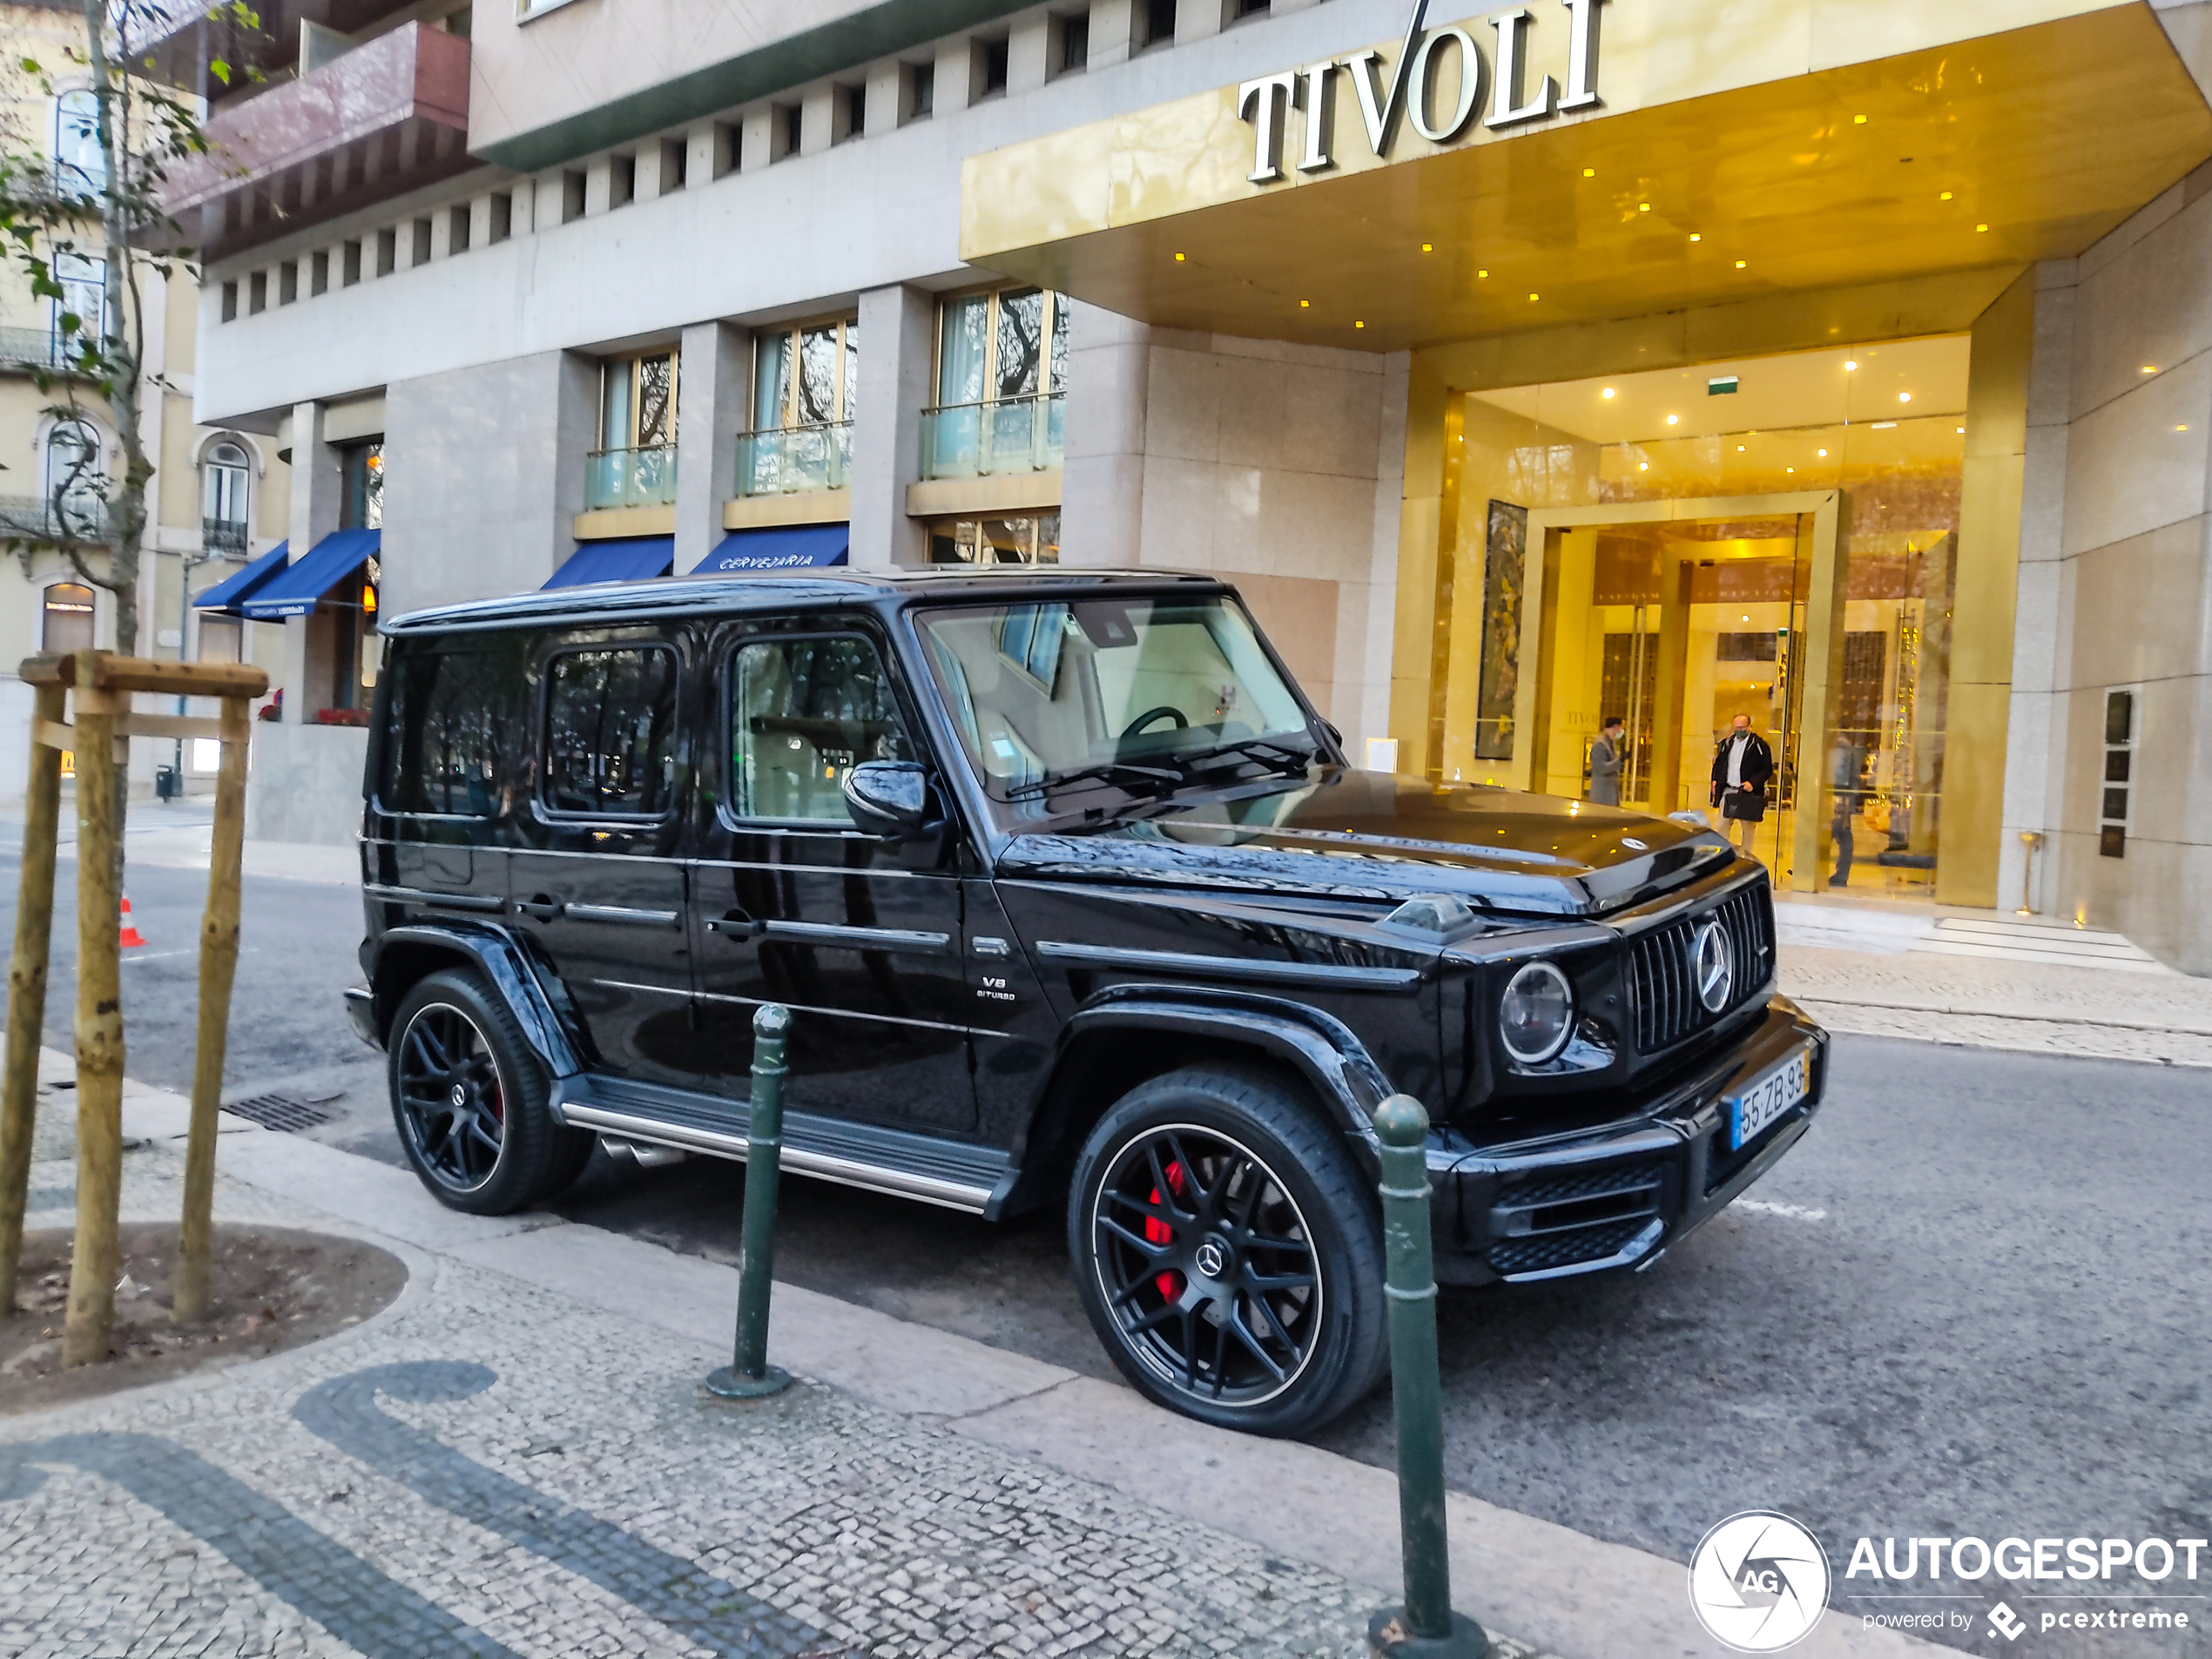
point(274, 1288)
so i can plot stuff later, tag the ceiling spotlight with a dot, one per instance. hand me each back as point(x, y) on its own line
point(1482, 274)
point(2150, 368)
point(1589, 172)
point(1747, 615)
point(1674, 419)
point(1739, 448)
point(1962, 432)
point(1531, 299)
point(1849, 363)
point(1359, 324)
point(1608, 392)
point(1789, 469)
point(1429, 247)
point(1696, 236)
point(1945, 197)
point(1905, 397)
point(1981, 227)
point(1740, 264)
point(1859, 120)
point(1824, 452)
point(1643, 208)
point(1643, 466)
point(1179, 259)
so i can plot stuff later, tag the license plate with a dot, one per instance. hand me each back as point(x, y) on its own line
point(1768, 1098)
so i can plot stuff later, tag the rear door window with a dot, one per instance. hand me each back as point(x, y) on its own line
point(611, 732)
point(803, 713)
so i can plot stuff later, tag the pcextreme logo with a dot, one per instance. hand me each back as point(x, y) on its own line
point(1758, 1582)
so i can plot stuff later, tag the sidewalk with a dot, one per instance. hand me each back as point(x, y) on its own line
point(1986, 981)
point(516, 1458)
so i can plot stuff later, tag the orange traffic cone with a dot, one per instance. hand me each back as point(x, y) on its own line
point(131, 937)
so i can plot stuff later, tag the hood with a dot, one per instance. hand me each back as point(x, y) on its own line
point(1373, 837)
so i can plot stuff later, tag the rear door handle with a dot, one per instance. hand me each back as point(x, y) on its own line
point(541, 908)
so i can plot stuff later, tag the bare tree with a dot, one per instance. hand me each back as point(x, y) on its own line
point(86, 226)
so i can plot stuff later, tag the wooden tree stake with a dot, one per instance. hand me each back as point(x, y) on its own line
point(218, 966)
point(27, 986)
point(88, 1333)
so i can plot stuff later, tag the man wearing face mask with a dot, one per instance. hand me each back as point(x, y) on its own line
point(1741, 768)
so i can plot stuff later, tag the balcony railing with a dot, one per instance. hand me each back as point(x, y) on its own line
point(31, 347)
point(796, 458)
point(33, 518)
point(980, 440)
point(631, 478)
point(224, 536)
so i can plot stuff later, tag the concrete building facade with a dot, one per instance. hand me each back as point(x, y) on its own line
point(1841, 366)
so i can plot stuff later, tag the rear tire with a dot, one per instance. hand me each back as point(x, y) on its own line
point(470, 1101)
point(1229, 1252)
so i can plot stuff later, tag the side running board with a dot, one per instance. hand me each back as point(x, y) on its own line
point(957, 1174)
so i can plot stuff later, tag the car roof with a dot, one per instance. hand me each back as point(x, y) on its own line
point(685, 595)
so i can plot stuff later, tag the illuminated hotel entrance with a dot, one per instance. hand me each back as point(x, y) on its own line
point(1815, 596)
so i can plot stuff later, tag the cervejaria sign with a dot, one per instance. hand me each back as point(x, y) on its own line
point(1430, 62)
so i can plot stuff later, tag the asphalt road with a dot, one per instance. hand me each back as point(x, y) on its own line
point(1970, 1303)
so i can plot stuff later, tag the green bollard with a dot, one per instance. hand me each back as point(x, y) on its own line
point(748, 1376)
point(1426, 1626)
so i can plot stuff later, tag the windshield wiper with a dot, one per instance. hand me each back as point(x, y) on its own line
point(1106, 771)
point(1288, 759)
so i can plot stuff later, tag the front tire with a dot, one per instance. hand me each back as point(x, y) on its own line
point(1229, 1252)
point(470, 1101)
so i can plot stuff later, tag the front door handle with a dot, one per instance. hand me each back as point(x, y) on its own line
point(736, 925)
point(541, 908)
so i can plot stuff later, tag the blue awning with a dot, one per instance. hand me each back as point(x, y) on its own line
point(239, 586)
point(634, 558)
point(801, 547)
point(296, 589)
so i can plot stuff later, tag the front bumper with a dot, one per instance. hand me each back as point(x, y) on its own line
point(1620, 1196)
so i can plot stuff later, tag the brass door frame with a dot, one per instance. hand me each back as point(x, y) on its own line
point(1823, 526)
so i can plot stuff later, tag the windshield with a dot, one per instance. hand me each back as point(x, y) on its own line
point(1132, 696)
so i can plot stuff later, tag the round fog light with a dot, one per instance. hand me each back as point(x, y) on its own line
point(1537, 1015)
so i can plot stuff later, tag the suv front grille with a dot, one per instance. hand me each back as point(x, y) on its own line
point(1661, 989)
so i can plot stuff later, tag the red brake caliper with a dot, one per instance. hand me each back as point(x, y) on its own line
point(1169, 1283)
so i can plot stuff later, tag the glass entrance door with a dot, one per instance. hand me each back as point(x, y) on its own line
point(1676, 627)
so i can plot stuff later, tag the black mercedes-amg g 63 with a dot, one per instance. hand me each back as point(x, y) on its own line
point(1074, 899)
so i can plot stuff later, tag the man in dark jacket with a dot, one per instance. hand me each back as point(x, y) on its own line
point(1605, 763)
point(1741, 768)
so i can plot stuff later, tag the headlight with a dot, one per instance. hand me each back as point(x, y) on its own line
point(1537, 1015)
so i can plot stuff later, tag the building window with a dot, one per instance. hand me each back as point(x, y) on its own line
point(76, 492)
point(2115, 789)
point(921, 90)
point(220, 640)
point(288, 282)
point(856, 110)
point(388, 252)
point(1239, 10)
point(318, 273)
point(230, 302)
point(67, 623)
point(794, 124)
point(1075, 42)
point(502, 216)
point(1001, 384)
point(634, 464)
point(80, 314)
point(805, 386)
point(457, 229)
point(995, 541)
point(349, 266)
point(225, 477)
point(361, 496)
point(80, 169)
point(1159, 22)
point(992, 55)
point(621, 181)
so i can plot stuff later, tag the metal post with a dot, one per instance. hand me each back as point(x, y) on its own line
point(1426, 1626)
point(749, 1375)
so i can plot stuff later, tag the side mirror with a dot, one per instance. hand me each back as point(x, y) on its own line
point(890, 798)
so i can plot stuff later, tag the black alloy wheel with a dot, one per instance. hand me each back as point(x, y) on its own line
point(452, 1110)
point(470, 1101)
point(1230, 1254)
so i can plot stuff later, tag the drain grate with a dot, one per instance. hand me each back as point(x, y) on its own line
point(278, 1111)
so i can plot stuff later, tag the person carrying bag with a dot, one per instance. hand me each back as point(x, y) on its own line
point(1741, 767)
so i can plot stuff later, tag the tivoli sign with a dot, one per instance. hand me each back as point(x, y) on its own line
point(1416, 80)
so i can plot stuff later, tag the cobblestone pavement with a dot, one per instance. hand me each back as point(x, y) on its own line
point(2027, 1006)
point(489, 1468)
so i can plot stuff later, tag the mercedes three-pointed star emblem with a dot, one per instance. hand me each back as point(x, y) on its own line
point(1712, 966)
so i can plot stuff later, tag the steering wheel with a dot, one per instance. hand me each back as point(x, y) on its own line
point(1149, 715)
